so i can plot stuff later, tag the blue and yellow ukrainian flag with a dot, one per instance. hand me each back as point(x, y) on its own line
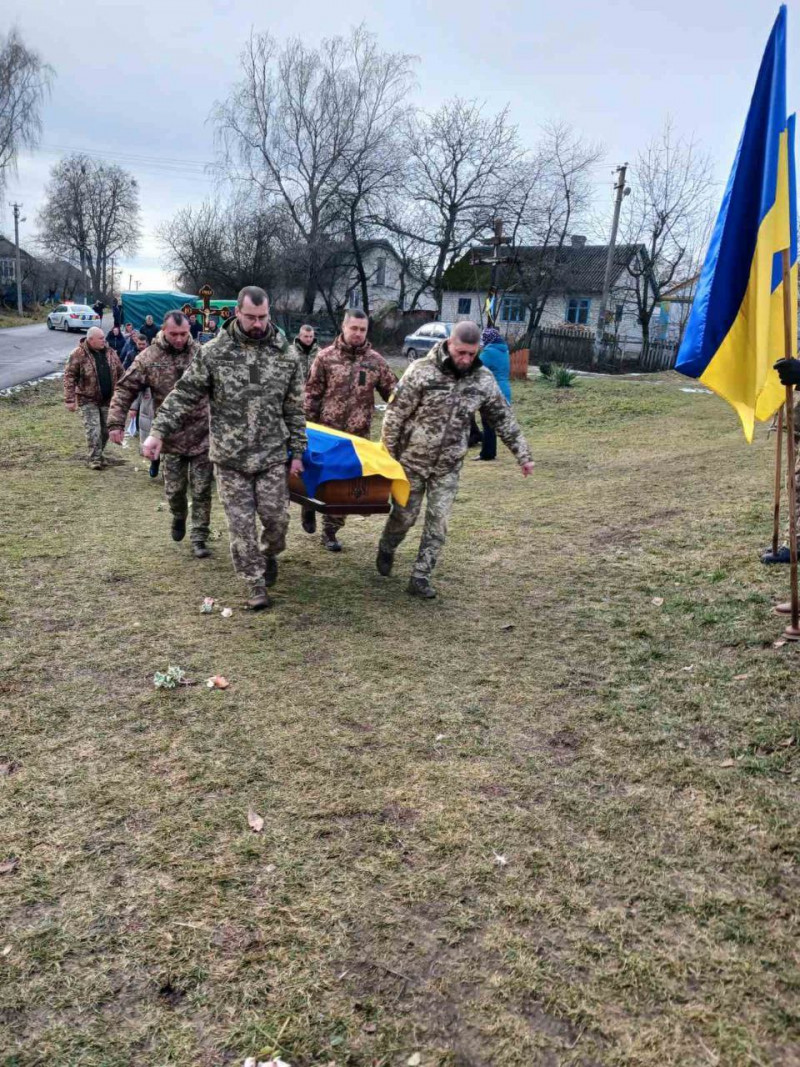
point(735, 329)
point(332, 455)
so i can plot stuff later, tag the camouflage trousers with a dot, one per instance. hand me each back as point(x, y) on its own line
point(441, 492)
point(95, 419)
point(190, 473)
point(245, 496)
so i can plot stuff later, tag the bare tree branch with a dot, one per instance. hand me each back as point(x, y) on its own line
point(25, 82)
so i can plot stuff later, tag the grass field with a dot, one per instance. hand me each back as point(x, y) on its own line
point(548, 819)
point(9, 317)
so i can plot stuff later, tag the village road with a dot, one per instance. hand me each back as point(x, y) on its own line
point(28, 352)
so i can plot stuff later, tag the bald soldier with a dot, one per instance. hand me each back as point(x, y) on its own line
point(254, 386)
point(90, 376)
point(426, 429)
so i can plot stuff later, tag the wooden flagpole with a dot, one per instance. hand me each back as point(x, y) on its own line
point(776, 515)
point(792, 631)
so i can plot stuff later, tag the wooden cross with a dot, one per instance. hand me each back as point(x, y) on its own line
point(494, 262)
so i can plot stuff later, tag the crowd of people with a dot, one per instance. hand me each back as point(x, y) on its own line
point(235, 408)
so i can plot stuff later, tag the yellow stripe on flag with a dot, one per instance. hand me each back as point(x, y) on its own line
point(741, 371)
point(375, 459)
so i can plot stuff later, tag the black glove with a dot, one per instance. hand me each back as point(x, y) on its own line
point(788, 371)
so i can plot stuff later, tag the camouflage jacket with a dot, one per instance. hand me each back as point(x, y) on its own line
point(80, 375)
point(255, 396)
point(340, 391)
point(306, 358)
point(426, 426)
point(158, 368)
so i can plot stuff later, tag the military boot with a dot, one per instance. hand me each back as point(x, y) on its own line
point(384, 562)
point(421, 587)
point(258, 599)
point(200, 551)
point(178, 527)
point(781, 556)
point(330, 541)
point(308, 520)
point(271, 572)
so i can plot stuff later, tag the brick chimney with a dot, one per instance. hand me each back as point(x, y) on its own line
point(578, 240)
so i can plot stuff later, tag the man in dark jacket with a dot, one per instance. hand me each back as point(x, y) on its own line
point(194, 326)
point(116, 311)
point(340, 393)
point(187, 465)
point(90, 376)
point(149, 330)
point(115, 340)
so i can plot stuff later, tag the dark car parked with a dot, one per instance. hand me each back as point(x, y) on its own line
point(422, 340)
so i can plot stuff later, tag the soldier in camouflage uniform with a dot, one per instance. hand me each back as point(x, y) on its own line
point(92, 371)
point(186, 462)
point(306, 349)
point(426, 428)
point(254, 386)
point(340, 393)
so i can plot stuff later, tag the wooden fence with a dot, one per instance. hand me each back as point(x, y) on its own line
point(576, 348)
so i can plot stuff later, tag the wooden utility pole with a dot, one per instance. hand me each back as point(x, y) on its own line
point(17, 221)
point(620, 190)
point(792, 631)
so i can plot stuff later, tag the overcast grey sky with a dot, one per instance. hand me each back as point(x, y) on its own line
point(135, 80)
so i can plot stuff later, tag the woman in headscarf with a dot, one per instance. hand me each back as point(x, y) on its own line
point(495, 357)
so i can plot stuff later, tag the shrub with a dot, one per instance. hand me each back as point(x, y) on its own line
point(563, 378)
point(546, 370)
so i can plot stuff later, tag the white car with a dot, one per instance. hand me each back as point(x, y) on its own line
point(72, 317)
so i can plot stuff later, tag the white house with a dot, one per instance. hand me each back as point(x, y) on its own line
point(387, 283)
point(574, 274)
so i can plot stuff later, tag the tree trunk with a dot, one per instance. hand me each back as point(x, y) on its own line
point(310, 294)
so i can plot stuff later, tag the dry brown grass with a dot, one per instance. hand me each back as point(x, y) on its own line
point(647, 911)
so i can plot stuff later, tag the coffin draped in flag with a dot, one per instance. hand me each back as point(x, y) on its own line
point(735, 330)
point(332, 455)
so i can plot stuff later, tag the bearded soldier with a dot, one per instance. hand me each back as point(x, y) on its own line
point(426, 429)
point(254, 386)
point(157, 368)
point(340, 393)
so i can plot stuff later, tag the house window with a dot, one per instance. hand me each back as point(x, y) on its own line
point(512, 309)
point(380, 272)
point(578, 311)
point(7, 270)
point(464, 305)
point(354, 299)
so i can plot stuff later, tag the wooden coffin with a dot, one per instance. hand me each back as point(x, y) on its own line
point(346, 496)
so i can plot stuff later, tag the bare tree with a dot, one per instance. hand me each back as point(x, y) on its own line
point(549, 201)
point(229, 245)
point(668, 212)
point(302, 120)
point(25, 82)
point(90, 213)
point(460, 170)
